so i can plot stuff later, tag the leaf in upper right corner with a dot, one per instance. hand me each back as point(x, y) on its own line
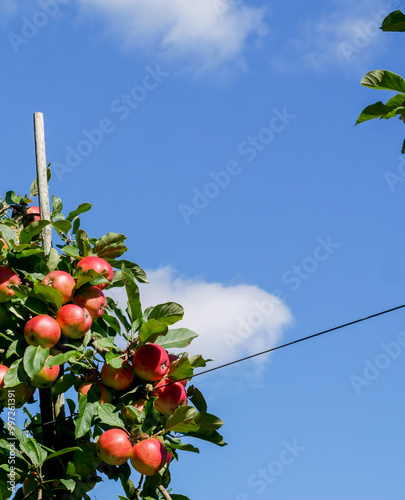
point(395, 21)
point(383, 80)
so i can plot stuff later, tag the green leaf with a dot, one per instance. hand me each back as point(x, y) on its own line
point(109, 416)
point(180, 415)
point(395, 21)
point(72, 251)
point(7, 234)
point(87, 411)
point(63, 383)
point(377, 110)
point(134, 303)
point(83, 243)
point(384, 80)
point(62, 226)
point(32, 230)
point(211, 436)
point(51, 294)
point(196, 397)
point(178, 497)
point(34, 360)
point(34, 186)
point(70, 484)
point(177, 337)
point(110, 246)
point(16, 374)
point(167, 313)
point(89, 276)
point(31, 448)
point(53, 259)
point(81, 209)
point(57, 205)
point(60, 359)
point(62, 452)
point(137, 272)
point(152, 329)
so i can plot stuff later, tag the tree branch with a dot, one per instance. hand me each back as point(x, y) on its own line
point(164, 493)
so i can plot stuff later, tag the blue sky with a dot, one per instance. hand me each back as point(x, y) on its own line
point(218, 136)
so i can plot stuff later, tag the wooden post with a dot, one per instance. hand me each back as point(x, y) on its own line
point(45, 395)
point(42, 177)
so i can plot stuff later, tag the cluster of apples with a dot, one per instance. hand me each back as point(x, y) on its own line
point(73, 319)
point(152, 364)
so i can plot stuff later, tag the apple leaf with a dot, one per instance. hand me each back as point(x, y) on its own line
point(109, 416)
point(87, 411)
point(60, 359)
point(63, 383)
point(182, 369)
point(83, 243)
point(152, 329)
point(90, 276)
point(7, 234)
point(62, 226)
point(49, 293)
point(62, 452)
point(383, 80)
point(167, 313)
point(183, 414)
point(81, 209)
point(69, 484)
point(110, 246)
point(395, 21)
point(137, 272)
point(34, 359)
point(34, 186)
point(178, 337)
point(16, 374)
point(211, 436)
point(196, 397)
point(32, 230)
point(134, 303)
point(72, 251)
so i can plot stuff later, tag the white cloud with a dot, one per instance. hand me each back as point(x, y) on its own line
point(347, 34)
point(232, 321)
point(204, 33)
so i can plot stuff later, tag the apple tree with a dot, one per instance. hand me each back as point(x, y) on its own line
point(386, 80)
point(114, 384)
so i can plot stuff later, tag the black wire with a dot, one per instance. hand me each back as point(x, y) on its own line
point(302, 339)
point(298, 340)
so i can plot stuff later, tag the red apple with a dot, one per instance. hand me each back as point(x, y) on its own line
point(117, 378)
point(74, 321)
point(42, 330)
point(63, 282)
point(99, 265)
point(93, 300)
point(150, 362)
point(170, 395)
point(106, 395)
point(114, 447)
point(3, 370)
point(7, 277)
point(46, 377)
point(148, 456)
point(34, 213)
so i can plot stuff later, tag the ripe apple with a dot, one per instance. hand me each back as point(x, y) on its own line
point(117, 378)
point(42, 330)
point(127, 416)
point(74, 321)
point(114, 447)
point(106, 395)
point(3, 315)
point(150, 362)
point(170, 395)
point(92, 299)
point(148, 456)
point(7, 277)
point(63, 282)
point(3, 370)
point(34, 213)
point(46, 377)
point(99, 265)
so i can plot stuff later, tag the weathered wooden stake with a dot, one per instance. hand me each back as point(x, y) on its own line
point(45, 395)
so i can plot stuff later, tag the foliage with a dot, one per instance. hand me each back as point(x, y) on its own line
point(386, 80)
point(69, 466)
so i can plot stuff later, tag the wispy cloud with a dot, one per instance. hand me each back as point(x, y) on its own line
point(231, 321)
point(347, 34)
point(203, 34)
